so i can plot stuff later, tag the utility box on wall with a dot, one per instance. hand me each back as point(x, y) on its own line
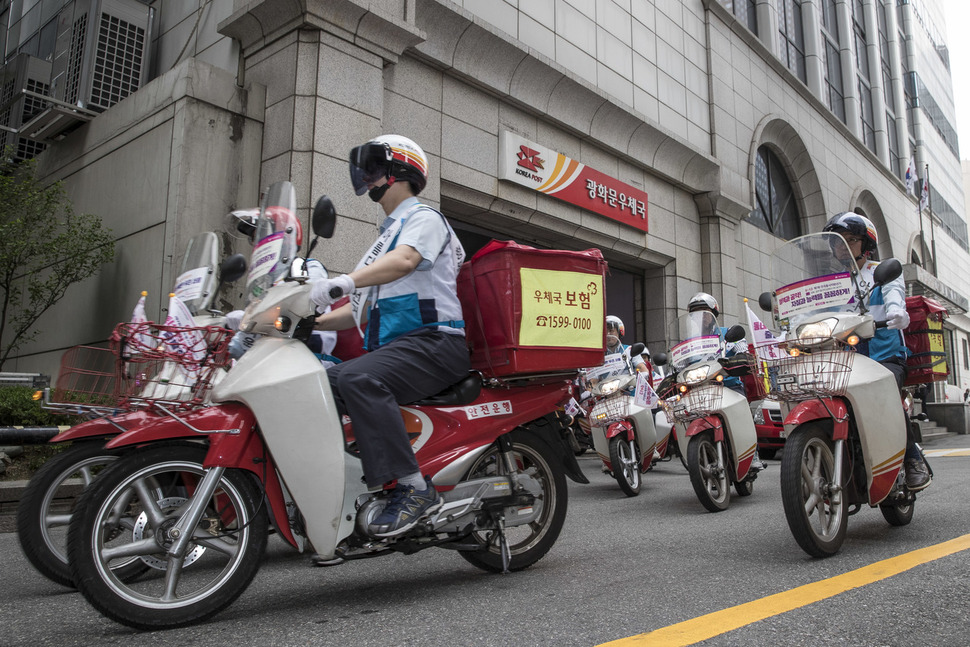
point(102, 53)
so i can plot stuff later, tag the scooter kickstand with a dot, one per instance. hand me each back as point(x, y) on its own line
point(503, 545)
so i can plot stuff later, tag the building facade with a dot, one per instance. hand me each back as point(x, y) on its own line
point(699, 136)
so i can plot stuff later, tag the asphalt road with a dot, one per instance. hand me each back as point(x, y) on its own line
point(622, 567)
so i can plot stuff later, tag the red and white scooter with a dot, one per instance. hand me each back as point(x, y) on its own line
point(273, 449)
point(847, 428)
point(623, 431)
point(715, 430)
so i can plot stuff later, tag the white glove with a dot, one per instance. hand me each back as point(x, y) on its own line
point(233, 319)
point(898, 321)
point(320, 289)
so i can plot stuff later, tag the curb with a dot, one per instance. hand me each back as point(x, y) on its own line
point(10, 493)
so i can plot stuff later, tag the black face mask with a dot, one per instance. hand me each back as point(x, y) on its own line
point(378, 192)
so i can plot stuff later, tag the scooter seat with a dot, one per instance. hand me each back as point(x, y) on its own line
point(464, 392)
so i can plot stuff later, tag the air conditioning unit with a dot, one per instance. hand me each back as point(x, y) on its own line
point(22, 79)
point(102, 52)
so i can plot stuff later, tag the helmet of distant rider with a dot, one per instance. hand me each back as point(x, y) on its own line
point(614, 326)
point(703, 301)
point(394, 157)
point(853, 223)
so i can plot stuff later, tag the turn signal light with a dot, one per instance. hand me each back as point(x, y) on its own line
point(682, 388)
point(719, 378)
point(794, 352)
point(282, 324)
point(37, 395)
point(852, 340)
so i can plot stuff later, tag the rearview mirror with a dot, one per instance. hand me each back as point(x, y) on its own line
point(659, 359)
point(734, 333)
point(637, 349)
point(324, 217)
point(887, 271)
point(232, 268)
point(765, 301)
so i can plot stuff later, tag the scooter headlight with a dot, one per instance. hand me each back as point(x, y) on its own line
point(817, 329)
point(696, 375)
point(610, 387)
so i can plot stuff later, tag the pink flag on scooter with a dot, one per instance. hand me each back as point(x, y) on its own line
point(190, 340)
point(765, 343)
point(645, 396)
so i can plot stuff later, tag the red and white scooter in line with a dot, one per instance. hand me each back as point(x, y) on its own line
point(272, 448)
point(715, 430)
point(623, 431)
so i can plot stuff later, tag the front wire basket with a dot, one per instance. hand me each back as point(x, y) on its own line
point(695, 402)
point(807, 368)
point(610, 409)
point(174, 366)
point(87, 383)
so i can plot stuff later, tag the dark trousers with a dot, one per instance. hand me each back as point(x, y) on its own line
point(370, 388)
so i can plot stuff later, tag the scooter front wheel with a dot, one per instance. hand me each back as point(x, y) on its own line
point(44, 511)
point(814, 503)
point(527, 543)
point(132, 510)
point(625, 459)
point(708, 476)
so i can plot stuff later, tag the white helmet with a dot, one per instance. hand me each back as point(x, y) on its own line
point(388, 156)
point(703, 301)
point(612, 321)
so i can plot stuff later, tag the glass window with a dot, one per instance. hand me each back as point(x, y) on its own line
point(832, 60)
point(776, 210)
point(792, 41)
point(744, 11)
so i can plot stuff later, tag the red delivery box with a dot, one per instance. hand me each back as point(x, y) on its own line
point(531, 311)
point(924, 339)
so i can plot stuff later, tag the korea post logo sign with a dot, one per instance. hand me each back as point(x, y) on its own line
point(561, 309)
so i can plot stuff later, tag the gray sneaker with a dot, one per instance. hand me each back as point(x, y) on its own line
point(917, 476)
point(406, 507)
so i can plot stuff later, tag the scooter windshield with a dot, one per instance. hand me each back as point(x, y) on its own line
point(817, 274)
point(701, 340)
point(197, 281)
point(278, 237)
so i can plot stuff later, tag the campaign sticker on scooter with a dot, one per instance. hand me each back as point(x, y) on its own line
point(707, 346)
point(188, 286)
point(501, 408)
point(832, 290)
point(265, 255)
point(613, 364)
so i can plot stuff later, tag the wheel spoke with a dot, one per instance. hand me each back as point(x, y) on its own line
point(147, 546)
point(57, 520)
point(148, 502)
point(172, 576)
point(87, 475)
point(219, 544)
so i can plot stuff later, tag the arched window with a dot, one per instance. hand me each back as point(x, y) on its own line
point(775, 208)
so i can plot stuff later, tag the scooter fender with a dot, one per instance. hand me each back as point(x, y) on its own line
point(823, 408)
point(739, 430)
point(233, 443)
point(286, 388)
point(104, 426)
point(881, 421)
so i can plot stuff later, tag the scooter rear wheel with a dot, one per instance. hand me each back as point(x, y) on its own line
point(131, 510)
point(709, 478)
point(530, 542)
point(625, 459)
point(815, 505)
point(898, 514)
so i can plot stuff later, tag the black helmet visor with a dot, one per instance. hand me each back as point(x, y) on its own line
point(368, 164)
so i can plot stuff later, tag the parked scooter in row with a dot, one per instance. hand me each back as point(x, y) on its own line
point(272, 447)
point(623, 431)
point(44, 512)
point(847, 427)
point(715, 430)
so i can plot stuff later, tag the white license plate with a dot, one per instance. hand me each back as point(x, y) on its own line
point(786, 379)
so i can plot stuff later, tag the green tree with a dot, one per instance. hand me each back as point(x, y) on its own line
point(44, 248)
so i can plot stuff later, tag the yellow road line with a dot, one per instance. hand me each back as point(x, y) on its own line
point(936, 453)
point(720, 622)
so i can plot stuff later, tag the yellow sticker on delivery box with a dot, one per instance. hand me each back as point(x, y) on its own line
point(561, 308)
